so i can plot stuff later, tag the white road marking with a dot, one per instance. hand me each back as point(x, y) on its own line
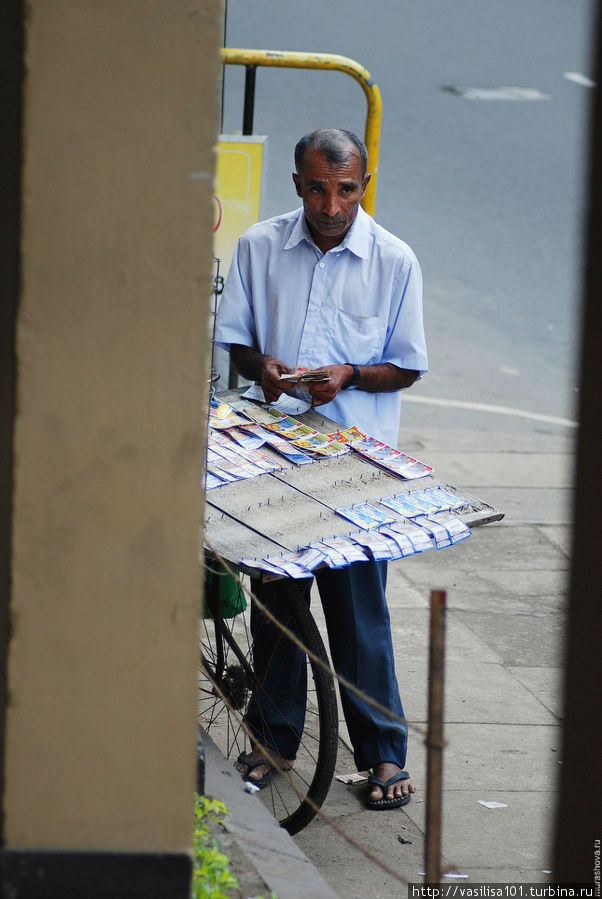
point(498, 93)
point(578, 78)
point(487, 407)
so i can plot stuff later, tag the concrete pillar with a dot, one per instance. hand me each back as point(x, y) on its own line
point(119, 118)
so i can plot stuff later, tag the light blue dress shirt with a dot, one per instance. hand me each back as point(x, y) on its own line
point(360, 302)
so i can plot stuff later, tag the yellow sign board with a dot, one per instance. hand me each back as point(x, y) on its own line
point(239, 172)
point(240, 167)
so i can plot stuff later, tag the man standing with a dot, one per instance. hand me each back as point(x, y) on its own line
point(326, 287)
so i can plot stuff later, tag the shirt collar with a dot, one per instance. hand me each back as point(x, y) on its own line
point(356, 240)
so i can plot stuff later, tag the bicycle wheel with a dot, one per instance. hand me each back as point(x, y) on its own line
point(227, 681)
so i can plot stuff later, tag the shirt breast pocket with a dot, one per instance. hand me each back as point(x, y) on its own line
point(358, 337)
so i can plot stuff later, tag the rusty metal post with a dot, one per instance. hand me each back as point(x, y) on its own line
point(434, 738)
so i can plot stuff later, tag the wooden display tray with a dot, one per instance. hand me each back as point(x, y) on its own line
point(286, 510)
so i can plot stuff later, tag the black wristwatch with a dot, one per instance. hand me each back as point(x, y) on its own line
point(356, 376)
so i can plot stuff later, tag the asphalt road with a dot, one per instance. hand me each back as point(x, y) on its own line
point(490, 193)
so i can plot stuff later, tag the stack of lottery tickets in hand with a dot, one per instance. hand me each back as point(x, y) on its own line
point(306, 376)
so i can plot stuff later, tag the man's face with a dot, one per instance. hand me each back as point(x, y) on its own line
point(331, 195)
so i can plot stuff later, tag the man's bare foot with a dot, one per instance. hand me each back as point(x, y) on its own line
point(384, 772)
point(258, 772)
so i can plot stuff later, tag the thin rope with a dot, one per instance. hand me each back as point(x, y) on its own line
point(324, 665)
point(268, 755)
point(273, 760)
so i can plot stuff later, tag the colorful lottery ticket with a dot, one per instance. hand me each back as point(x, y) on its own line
point(366, 515)
point(381, 546)
point(282, 446)
point(392, 459)
point(321, 444)
point(348, 435)
point(222, 416)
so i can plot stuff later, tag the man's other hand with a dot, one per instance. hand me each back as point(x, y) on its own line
point(325, 391)
point(379, 378)
point(263, 369)
point(272, 386)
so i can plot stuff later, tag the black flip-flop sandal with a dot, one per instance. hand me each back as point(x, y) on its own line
point(245, 759)
point(379, 805)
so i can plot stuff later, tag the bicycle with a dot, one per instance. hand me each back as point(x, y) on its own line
point(228, 679)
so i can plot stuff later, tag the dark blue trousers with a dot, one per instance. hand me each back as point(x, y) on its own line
point(359, 635)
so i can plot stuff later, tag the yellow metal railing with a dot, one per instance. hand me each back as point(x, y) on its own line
point(293, 60)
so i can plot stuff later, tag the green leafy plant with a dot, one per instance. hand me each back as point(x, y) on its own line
point(211, 875)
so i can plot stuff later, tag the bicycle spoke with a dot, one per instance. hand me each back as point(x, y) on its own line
point(226, 684)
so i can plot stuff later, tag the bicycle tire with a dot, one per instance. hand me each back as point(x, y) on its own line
point(233, 678)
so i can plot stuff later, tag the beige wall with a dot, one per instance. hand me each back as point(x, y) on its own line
point(120, 118)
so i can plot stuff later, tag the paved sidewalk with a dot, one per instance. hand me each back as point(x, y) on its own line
point(506, 602)
point(262, 855)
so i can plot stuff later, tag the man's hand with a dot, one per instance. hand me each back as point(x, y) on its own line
point(272, 386)
point(267, 370)
point(264, 369)
point(325, 391)
point(384, 377)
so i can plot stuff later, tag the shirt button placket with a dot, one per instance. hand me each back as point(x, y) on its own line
point(311, 349)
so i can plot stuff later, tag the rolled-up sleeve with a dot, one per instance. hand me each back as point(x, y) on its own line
point(405, 343)
point(235, 320)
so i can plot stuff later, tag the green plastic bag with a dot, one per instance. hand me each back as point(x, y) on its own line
point(222, 588)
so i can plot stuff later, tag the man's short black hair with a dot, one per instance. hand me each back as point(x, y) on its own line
point(335, 144)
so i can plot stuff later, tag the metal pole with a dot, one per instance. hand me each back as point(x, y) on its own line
point(249, 105)
point(434, 739)
point(223, 90)
point(247, 128)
